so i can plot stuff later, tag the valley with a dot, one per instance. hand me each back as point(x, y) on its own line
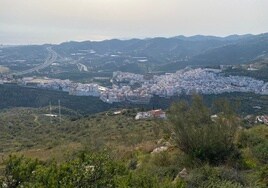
point(87, 107)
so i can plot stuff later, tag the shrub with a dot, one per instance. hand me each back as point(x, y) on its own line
point(19, 170)
point(161, 159)
point(263, 175)
point(85, 170)
point(217, 177)
point(260, 151)
point(248, 139)
point(200, 175)
point(200, 137)
point(137, 180)
point(146, 180)
point(133, 164)
point(220, 184)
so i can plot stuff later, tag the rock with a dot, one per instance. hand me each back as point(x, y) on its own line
point(163, 142)
point(160, 141)
point(183, 173)
point(159, 149)
point(168, 144)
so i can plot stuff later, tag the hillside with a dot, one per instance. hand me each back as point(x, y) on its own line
point(243, 51)
point(29, 131)
point(146, 151)
point(257, 68)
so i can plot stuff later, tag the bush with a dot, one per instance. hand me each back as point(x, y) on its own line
point(263, 175)
point(200, 175)
point(201, 137)
point(207, 176)
point(248, 139)
point(85, 170)
point(138, 180)
point(18, 170)
point(146, 180)
point(260, 151)
point(162, 159)
point(220, 184)
point(255, 141)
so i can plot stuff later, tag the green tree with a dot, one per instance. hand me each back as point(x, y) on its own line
point(200, 136)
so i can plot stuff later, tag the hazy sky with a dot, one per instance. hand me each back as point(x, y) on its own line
point(55, 21)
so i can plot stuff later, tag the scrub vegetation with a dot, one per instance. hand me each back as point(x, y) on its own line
point(190, 148)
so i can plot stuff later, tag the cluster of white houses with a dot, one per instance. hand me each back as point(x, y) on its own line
point(203, 81)
point(136, 88)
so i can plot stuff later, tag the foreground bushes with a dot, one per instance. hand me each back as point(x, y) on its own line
point(218, 177)
point(203, 138)
point(84, 170)
point(207, 148)
point(261, 152)
point(255, 139)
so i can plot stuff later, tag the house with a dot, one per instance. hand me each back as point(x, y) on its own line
point(143, 115)
point(151, 114)
point(262, 119)
point(117, 112)
point(265, 120)
point(214, 117)
point(158, 114)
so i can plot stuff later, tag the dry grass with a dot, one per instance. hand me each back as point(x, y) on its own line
point(57, 153)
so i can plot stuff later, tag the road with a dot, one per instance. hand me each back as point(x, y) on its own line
point(52, 56)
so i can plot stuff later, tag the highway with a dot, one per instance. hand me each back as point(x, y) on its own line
point(52, 56)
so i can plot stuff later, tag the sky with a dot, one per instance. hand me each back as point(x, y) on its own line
point(56, 21)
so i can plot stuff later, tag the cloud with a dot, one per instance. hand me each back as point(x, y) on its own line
point(60, 20)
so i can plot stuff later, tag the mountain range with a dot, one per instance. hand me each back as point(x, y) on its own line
point(156, 54)
point(183, 51)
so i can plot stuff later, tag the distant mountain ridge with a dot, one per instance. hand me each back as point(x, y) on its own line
point(245, 50)
point(196, 50)
point(210, 37)
point(160, 54)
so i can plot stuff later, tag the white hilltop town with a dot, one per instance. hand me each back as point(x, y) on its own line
point(136, 88)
